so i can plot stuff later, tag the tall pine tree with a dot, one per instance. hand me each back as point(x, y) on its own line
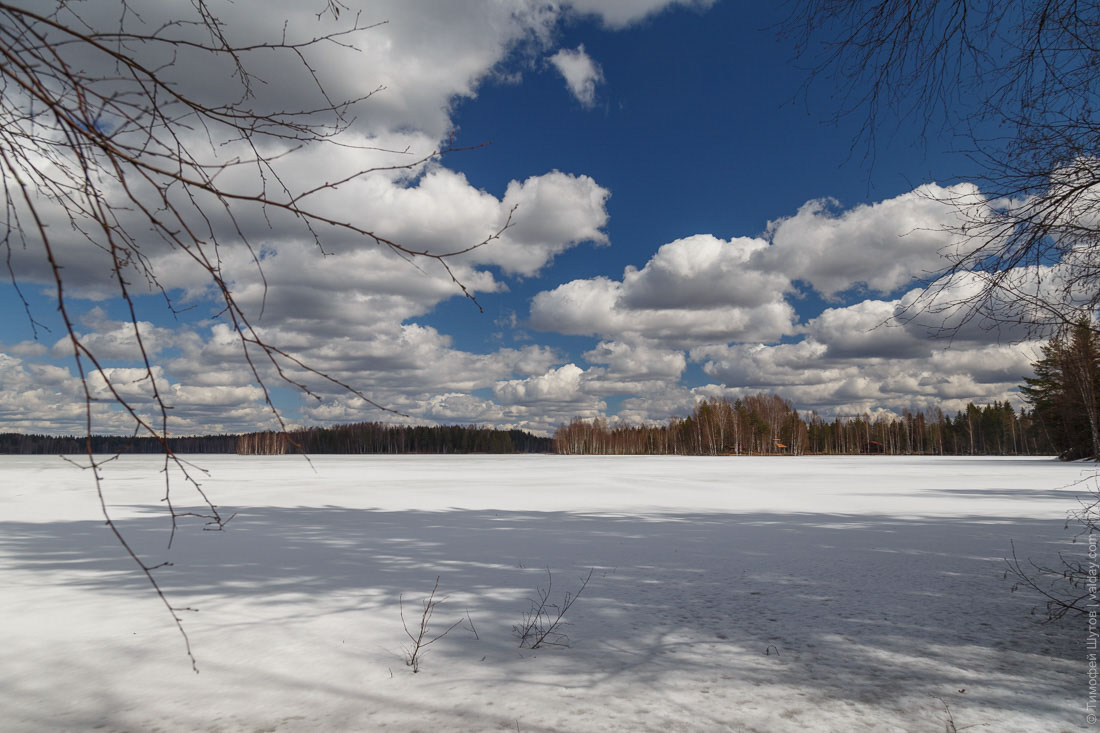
point(1064, 391)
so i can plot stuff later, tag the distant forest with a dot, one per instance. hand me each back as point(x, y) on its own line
point(369, 437)
point(762, 424)
point(766, 424)
point(37, 445)
point(357, 438)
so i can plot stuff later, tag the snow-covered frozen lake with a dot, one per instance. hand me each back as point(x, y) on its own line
point(739, 594)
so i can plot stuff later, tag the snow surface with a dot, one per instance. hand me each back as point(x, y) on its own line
point(740, 594)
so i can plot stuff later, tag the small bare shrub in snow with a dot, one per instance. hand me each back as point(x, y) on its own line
point(1067, 587)
point(542, 624)
point(949, 724)
point(422, 638)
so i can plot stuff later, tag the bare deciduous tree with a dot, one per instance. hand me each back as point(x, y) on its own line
point(108, 145)
point(1015, 86)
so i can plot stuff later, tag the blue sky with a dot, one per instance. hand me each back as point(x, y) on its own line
point(688, 224)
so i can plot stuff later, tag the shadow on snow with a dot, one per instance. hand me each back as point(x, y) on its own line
point(859, 608)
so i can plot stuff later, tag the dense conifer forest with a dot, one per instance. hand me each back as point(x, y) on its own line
point(369, 437)
point(1065, 392)
point(350, 439)
point(26, 444)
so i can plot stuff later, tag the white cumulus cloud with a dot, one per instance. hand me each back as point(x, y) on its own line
point(581, 73)
point(693, 291)
point(880, 247)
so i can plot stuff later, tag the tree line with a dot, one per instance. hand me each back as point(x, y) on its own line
point(767, 424)
point(1064, 420)
point(373, 437)
point(33, 444)
point(761, 424)
point(356, 438)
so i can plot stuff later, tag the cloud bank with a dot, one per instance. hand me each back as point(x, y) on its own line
point(706, 315)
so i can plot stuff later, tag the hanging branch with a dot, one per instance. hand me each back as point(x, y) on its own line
point(98, 134)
